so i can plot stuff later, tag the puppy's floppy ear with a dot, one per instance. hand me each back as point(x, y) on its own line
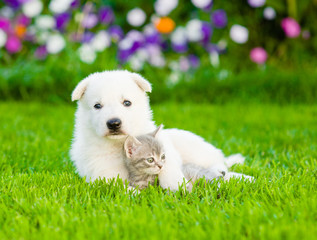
point(80, 89)
point(154, 134)
point(131, 144)
point(141, 82)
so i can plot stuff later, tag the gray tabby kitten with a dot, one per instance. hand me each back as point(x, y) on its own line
point(144, 158)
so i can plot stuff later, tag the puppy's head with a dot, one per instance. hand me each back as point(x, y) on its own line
point(113, 103)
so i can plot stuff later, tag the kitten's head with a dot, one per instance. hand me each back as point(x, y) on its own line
point(145, 153)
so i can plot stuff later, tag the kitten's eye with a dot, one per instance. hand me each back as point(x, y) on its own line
point(127, 103)
point(97, 106)
point(150, 160)
point(163, 157)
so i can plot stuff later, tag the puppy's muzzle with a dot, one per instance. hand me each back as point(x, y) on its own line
point(114, 124)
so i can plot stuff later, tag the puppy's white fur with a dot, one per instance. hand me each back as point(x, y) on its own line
point(97, 153)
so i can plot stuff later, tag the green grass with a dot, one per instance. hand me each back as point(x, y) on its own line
point(41, 196)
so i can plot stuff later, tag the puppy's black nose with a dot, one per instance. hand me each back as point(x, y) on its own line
point(114, 124)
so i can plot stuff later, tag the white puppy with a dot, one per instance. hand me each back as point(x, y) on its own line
point(114, 104)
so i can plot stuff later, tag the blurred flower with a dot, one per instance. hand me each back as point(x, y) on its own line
point(89, 20)
point(41, 52)
point(136, 17)
point(60, 6)
point(219, 18)
point(184, 64)
point(101, 41)
point(45, 22)
point(194, 30)
point(23, 20)
point(194, 61)
point(75, 4)
point(239, 34)
point(206, 32)
point(4, 24)
point(165, 25)
point(164, 7)
point(256, 3)
point(116, 32)
point(86, 37)
point(106, 15)
point(214, 58)
point(61, 20)
point(3, 38)
point(258, 55)
point(290, 27)
point(179, 40)
point(32, 8)
point(201, 3)
point(151, 35)
point(6, 12)
point(269, 13)
point(20, 30)
point(87, 53)
point(306, 34)
point(12, 3)
point(156, 57)
point(13, 44)
point(55, 43)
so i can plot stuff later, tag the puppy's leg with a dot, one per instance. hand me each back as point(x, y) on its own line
point(234, 159)
point(241, 176)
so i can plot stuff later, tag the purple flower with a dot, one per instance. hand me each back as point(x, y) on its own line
point(207, 32)
point(179, 48)
point(87, 37)
point(290, 27)
point(212, 48)
point(89, 21)
point(23, 20)
point(4, 24)
point(12, 3)
point(152, 37)
point(40, 52)
point(62, 20)
point(106, 15)
point(124, 55)
point(194, 61)
point(184, 64)
point(219, 18)
point(13, 44)
point(116, 32)
point(256, 3)
point(75, 4)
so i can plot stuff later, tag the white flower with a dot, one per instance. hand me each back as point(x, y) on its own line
point(201, 3)
point(6, 12)
point(44, 22)
point(179, 36)
point(239, 34)
point(136, 17)
point(43, 36)
point(87, 53)
point(101, 41)
point(59, 6)
point(269, 13)
point(3, 38)
point(164, 7)
point(125, 43)
point(256, 3)
point(194, 30)
point(55, 43)
point(32, 8)
point(136, 63)
point(214, 59)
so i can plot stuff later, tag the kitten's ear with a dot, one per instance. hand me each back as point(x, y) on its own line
point(130, 146)
point(157, 131)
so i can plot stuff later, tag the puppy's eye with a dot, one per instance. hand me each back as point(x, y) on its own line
point(127, 103)
point(97, 106)
point(163, 157)
point(150, 160)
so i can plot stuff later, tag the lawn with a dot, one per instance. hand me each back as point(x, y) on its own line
point(41, 196)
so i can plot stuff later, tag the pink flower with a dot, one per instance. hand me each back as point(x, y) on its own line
point(13, 44)
point(258, 55)
point(290, 27)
